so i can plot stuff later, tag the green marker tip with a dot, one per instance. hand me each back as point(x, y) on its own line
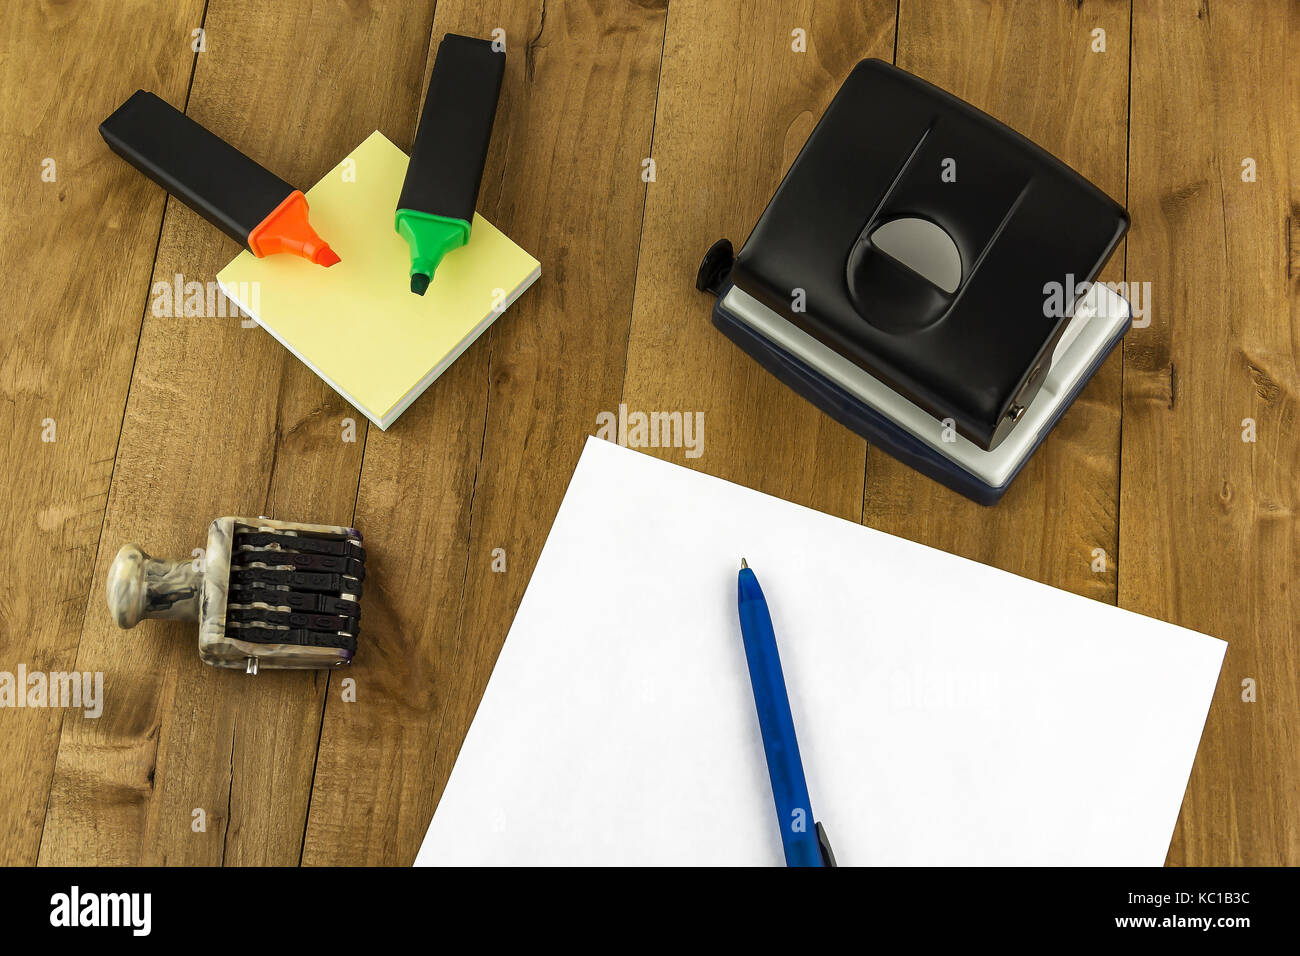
point(429, 238)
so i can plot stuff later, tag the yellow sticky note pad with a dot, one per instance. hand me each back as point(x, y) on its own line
point(357, 324)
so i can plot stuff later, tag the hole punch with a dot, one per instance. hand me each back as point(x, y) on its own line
point(923, 322)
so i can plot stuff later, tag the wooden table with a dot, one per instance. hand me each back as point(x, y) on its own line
point(1146, 495)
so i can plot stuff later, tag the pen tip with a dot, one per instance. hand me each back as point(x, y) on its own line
point(327, 257)
point(419, 282)
point(743, 564)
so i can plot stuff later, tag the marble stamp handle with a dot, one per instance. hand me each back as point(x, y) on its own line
point(140, 586)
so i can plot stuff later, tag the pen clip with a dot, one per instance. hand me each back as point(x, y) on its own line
point(824, 844)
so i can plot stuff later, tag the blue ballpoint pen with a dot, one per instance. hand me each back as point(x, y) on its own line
point(805, 842)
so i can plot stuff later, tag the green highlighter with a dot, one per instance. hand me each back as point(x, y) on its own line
point(436, 207)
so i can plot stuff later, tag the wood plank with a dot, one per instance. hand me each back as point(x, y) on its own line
point(1073, 103)
point(222, 420)
point(75, 259)
point(1209, 535)
point(482, 461)
point(736, 103)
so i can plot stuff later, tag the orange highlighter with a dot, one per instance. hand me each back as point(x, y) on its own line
point(242, 198)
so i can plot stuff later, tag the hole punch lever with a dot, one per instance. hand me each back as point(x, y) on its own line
point(924, 248)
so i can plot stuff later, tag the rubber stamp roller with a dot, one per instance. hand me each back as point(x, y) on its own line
point(265, 593)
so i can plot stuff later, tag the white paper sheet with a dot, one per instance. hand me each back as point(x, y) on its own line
point(947, 712)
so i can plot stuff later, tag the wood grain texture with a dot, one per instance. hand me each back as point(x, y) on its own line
point(165, 422)
point(75, 259)
point(222, 420)
point(482, 461)
point(736, 103)
point(1030, 65)
point(1209, 533)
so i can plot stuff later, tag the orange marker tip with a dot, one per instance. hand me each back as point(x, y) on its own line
point(327, 257)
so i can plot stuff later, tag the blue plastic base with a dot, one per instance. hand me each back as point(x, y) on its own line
point(880, 431)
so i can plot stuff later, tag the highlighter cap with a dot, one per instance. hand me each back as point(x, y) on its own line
point(451, 141)
point(199, 168)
